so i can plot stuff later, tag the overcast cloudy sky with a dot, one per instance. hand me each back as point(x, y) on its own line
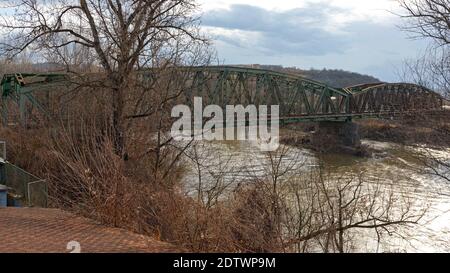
point(356, 35)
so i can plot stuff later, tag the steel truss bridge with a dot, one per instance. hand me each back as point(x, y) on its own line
point(300, 99)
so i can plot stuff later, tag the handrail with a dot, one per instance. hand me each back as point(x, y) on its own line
point(3, 143)
point(22, 181)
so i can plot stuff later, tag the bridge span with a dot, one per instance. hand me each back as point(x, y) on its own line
point(300, 99)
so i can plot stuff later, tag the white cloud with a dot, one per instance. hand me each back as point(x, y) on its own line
point(379, 11)
point(267, 4)
point(356, 35)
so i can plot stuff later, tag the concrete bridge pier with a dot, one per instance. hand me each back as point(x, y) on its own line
point(336, 136)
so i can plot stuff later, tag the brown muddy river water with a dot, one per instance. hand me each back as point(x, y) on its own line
point(392, 166)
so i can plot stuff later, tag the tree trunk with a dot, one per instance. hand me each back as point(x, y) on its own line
point(117, 121)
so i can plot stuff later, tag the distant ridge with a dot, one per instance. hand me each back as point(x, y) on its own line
point(333, 77)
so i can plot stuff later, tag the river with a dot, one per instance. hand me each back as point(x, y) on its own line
point(392, 166)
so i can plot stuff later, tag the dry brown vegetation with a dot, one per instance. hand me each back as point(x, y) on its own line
point(433, 130)
point(107, 154)
point(287, 209)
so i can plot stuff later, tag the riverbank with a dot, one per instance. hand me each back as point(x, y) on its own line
point(431, 130)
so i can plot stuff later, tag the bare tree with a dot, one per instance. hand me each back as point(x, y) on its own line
point(333, 209)
point(435, 165)
point(431, 19)
point(431, 69)
point(123, 35)
point(296, 208)
point(428, 18)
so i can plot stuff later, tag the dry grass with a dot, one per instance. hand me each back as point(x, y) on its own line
point(432, 130)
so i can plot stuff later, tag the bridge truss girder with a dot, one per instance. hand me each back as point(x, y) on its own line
point(29, 93)
point(295, 95)
point(300, 99)
point(387, 97)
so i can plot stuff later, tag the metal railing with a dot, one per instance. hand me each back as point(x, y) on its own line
point(30, 190)
point(3, 150)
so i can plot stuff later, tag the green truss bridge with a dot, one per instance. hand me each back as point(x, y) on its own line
point(300, 99)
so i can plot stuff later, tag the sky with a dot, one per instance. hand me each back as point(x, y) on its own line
point(361, 36)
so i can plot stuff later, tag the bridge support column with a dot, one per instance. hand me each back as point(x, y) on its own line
point(336, 136)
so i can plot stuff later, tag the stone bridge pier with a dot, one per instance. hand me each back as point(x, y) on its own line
point(336, 136)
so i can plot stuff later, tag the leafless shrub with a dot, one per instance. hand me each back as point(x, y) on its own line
point(303, 211)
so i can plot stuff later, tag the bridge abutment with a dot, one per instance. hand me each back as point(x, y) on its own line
point(336, 136)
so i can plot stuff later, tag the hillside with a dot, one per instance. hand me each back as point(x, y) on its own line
point(332, 77)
